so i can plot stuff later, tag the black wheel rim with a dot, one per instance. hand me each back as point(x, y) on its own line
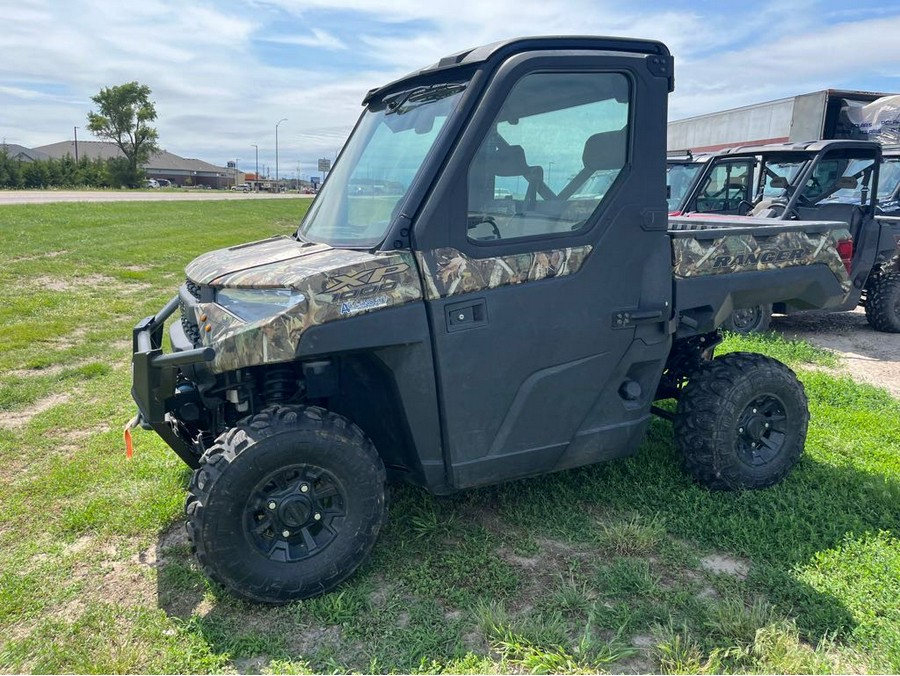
point(295, 513)
point(762, 430)
point(746, 319)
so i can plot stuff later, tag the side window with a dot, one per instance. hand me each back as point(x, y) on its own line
point(844, 179)
point(728, 185)
point(551, 155)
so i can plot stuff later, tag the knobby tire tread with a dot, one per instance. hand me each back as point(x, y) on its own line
point(237, 440)
point(882, 302)
point(707, 400)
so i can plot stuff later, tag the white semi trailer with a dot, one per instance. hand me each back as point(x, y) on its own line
point(826, 114)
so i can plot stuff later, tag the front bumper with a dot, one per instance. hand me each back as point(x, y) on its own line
point(154, 377)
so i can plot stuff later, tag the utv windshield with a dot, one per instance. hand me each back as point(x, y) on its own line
point(378, 164)
point(679, 178)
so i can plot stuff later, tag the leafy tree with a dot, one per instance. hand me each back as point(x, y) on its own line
point(10, 176)
point(36, 174)
point(124, 117)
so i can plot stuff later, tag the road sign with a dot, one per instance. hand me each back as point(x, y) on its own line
point(324, 164)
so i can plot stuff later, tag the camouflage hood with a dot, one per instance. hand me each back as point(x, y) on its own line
point(275, 262)
point(333, 284)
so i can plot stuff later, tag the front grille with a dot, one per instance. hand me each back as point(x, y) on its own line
point(191, 330)
point(193, 288)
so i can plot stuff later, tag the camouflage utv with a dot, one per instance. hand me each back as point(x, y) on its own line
point(486, 288)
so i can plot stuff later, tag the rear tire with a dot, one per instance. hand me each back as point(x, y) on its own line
point(754, 319)
point(287, 504)
point(883, 302)
point(741, 422)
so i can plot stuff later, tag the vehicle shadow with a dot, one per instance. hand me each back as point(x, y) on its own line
point(820, 509)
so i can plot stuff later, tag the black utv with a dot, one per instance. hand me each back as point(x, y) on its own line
point(487, 287)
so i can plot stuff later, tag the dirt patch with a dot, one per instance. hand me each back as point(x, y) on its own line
point(106, 578)
point(726, 565)
point(77, 436)
point(53, 369)
point(643, 641)
point(307, 642)
point(132, 288)
point(251, 665)
point(708, 593)
point(541, 573)
point(868, 355)
point(16, 419)
point(72, 283)
point(69, 340)
point(175, 536)
point(125, 584)
point(48, 254)
point(81, 544)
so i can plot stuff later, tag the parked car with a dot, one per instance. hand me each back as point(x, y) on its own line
point(245, 187)
point(151, 183)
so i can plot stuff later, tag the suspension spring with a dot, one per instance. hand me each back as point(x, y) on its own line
point(280, 384)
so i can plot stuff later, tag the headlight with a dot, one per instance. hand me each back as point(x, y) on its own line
point(254, 304)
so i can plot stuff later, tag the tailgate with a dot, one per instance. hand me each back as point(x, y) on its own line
point(724, 264)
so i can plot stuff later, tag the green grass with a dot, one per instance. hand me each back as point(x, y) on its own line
point(604, 568)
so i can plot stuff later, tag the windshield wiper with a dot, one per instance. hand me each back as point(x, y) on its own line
point(421, 96)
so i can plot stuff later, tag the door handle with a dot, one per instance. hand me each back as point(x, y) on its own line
point(461, 316)
point(625, 319)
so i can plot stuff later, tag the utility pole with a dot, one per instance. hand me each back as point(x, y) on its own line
point(256, 181)
point(76, 145)
point(283, 119)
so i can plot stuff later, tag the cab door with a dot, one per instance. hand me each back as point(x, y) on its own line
point(547, 267)
point(727, 189)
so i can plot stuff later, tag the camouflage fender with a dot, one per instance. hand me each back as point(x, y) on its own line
point(744, 252)
point(449, 272)
point(335, 284)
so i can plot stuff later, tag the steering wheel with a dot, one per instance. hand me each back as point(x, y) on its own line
point(777, 207)
point(744, 207)
point(478, 219)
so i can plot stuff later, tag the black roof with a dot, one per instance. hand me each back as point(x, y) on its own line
point(498, 51)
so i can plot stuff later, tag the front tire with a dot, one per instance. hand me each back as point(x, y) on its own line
point(883, 302)
point(741, 422)
point(287, 504)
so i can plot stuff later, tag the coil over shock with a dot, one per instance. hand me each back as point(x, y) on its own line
point(280, 384)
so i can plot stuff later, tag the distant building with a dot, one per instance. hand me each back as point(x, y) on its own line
point(22, 153)
point(166, 165)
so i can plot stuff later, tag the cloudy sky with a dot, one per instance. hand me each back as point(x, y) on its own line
point(224, 73)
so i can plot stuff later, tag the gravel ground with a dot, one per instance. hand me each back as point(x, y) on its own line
point(868, 355)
